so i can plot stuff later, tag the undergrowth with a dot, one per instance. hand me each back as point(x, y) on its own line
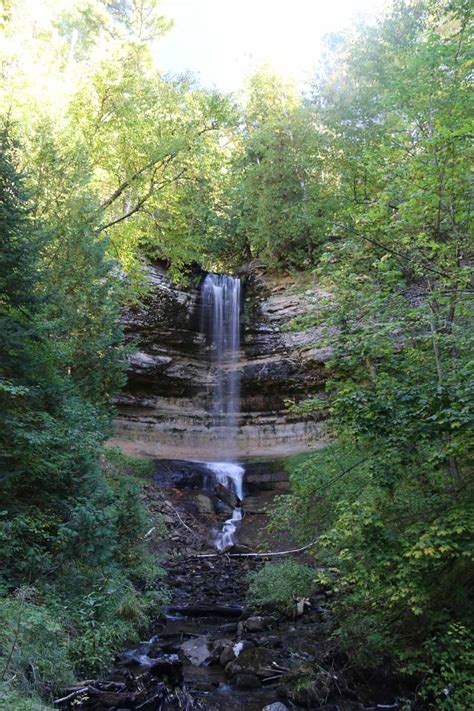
point(71, 622)
point(281, 585)
point(398, 558)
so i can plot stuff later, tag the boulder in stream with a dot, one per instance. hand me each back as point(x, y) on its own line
point(255, 624)
point(227, 496)
point(167, 666)
point(257, 661)
point(205, 504)
point(197, 650)
point(227, 655)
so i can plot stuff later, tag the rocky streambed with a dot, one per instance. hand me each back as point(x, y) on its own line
point(211, 650)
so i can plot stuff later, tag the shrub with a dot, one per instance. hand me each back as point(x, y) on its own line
point(398, 541)
point(103, 594)
point(15, 701)
point(117, 464)
point(446, 661)
point(34, 645)
point(281, 584)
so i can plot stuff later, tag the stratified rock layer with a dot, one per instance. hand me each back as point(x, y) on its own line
point(164, 410)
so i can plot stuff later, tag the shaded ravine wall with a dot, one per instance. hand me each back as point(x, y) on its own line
point(164, 409)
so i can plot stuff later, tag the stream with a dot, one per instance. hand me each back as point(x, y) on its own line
point(210, 650)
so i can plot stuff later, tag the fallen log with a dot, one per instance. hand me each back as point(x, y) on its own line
point(206, 611)
point(269, 554)
point(69, 697)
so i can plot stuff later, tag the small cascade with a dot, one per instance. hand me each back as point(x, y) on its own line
point(232, 477)
point(221, 327)
point(229, 475)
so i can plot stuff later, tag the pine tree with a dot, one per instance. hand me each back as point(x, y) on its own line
point(18, 262)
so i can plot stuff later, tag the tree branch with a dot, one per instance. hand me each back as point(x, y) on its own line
point(396, 253)
point(155, 163)
point(142, 200)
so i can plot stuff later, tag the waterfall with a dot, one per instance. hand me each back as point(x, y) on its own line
point(221, 327)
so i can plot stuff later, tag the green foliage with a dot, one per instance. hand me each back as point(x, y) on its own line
point(77, 579)
point(102, 590)
point(447, 660)
point(281, 584)
point(102, 611)
point(119, 464)
point(15, 701)
point(317, 485)
point(111, 145)
point(279, 201)
point(392, 500)
point(365, 184)
point(34, 644)
point(398, 548)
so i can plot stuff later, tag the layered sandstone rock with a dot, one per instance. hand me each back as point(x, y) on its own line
point(164, 410)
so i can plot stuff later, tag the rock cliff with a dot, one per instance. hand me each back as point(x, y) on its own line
point(164, 410)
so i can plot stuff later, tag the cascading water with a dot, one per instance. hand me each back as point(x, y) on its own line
point(231, 476)
point(221, 326)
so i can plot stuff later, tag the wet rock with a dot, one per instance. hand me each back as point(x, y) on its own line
point(169, 666)
point(205, 504)
point(278, 706)
point(220, 644)
point(161, 646)
point(227, 496)
point(223, 509)
point(180, 473)
point(227, 655)
point(242, 646)
point(197, 650)
point(218, 647)
point(246, 681)
point(255, 624)
point(256, 661)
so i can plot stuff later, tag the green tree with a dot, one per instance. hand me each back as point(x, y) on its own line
point(279, 201)
point(71, 537)
point(394, 499)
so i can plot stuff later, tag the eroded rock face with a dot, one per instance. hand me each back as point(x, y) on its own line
point(164, 410)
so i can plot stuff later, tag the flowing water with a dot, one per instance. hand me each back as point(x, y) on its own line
point(231, 476)
point(220, 321)
point(182, 666)
point(221, 326)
